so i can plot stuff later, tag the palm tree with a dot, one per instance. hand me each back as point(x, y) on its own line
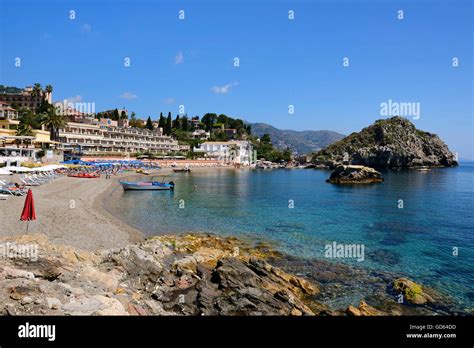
point(28, 118)
point(37, 91)
point(48, 90)
point(24, 130)
point(53, 121)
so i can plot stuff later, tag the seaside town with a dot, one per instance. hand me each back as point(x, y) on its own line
point(186, 161)
point(36, 129)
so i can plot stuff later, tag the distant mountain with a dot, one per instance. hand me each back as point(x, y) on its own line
point(302, 142)
point(394, 142)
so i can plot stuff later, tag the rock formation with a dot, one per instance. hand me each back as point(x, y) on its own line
point(388, 143)
point(354, 175)
point(187, 275)
point(182, 275)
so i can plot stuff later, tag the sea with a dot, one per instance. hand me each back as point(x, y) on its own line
point(418, 224)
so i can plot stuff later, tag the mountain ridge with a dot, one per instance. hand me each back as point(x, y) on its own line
point(301, 142)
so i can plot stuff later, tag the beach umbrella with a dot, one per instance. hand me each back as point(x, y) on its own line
point(28, 212)
point(4, 171)
point(44, 169)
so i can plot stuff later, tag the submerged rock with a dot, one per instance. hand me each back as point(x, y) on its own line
point(411, 291)
point(354, 175)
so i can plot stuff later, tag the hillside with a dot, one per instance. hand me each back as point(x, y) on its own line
point(302, 142)
point(390, 143)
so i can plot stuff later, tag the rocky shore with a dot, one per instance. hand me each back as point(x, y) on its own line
point(189, 275)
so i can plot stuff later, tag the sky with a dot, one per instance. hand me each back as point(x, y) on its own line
point(285, 64)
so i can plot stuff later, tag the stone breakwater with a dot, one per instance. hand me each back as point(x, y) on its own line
point(172, 275)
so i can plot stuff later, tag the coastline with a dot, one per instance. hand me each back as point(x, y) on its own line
point(335, 280)
point(89, 226)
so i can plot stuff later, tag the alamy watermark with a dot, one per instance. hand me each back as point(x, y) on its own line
point(345, 251)
point(19, 251)
point(405, 109)
point(246, 157)
point(69, 108)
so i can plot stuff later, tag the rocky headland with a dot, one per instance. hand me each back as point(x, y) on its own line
point(388, 143)
point(194, 275)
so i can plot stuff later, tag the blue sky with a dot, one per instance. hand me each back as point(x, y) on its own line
point(282, 62)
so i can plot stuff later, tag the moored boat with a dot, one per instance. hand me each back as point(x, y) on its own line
point(147, 185)
point(181, 170)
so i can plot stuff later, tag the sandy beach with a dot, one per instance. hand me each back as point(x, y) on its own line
point(70, 211)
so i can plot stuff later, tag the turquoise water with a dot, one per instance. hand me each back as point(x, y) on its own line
point(416, 241)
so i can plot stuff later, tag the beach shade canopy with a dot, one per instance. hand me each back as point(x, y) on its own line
point(28, 212)
point(3, 171)
point(19, 169)
point(44, 169)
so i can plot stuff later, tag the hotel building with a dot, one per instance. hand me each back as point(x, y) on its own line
point(23, 98)
point(107, 137)
point(15, 148)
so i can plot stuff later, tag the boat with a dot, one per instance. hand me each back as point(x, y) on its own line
point(84, 175)
point(182, 170)
point(148, 185)
point(424, 169)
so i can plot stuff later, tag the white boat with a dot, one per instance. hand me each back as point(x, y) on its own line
point(148, 185)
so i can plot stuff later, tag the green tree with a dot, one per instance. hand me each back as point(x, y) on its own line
point(209, 120)
point(286, 155)
point(184, 124)
point(37, 91)
point(168, 126)
point(176, 123)
point(53, 120)
point(149, 125)
point(162, 122)
point(133, 120)
point(266, 139)
point(43, 107)
point(29, 118)
point(115, 115)
point(24, 130)
point(123, 115)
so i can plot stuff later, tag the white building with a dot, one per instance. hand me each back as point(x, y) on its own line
point(100, 138)
point(236, 151)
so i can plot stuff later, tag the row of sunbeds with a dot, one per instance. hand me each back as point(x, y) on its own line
point(14, 189)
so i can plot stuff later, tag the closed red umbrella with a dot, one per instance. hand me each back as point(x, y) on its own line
point(28, 212)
